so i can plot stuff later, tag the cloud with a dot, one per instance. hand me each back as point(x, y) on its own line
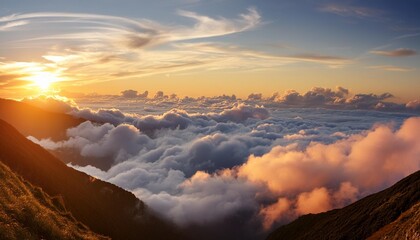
point(224, 193)
point(255, 96)
point(241, 112)
point(400, 52)
point(415, 104)
point(8, 26)
point(140, 33)
point(316, 201)
point(173, 118)
point(275, 211)
point(339, 98)
point(209, 27)
point(159, 95)
point(129, 93)
point(351, 11)
point(368, 101)
point(392, 68)
point(315, 97)
point(264, 59)
point(134, 94)
point(121, 142)
point(332, 61)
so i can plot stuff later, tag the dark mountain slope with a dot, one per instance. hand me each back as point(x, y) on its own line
point(30, 120)
point(407, 226)
point(360, 219)
point(103, 207)
point(26, 212)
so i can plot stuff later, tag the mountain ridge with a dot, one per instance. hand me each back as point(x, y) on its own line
point(30, 120)
point(360, 220)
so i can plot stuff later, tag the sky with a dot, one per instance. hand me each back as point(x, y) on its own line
point(209, 48)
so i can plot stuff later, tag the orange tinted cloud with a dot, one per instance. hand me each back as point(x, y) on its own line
point(275, 211)
point(316, 201)
point(325, 176)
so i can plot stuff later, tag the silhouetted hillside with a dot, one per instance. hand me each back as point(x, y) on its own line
point(393, 212)
point(103, 207)
point(30, 120)
point(26, 212)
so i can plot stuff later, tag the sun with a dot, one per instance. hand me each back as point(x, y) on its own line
point(43, 80)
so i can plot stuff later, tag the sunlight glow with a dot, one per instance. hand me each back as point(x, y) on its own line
point(43, 80)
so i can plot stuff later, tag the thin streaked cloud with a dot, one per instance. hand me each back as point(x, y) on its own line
point(400, 52)
point(12, 25)
point(351, 11)
point(391, 68)
point(138, 33)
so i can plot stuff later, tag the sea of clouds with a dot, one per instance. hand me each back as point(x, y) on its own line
point(224, 166)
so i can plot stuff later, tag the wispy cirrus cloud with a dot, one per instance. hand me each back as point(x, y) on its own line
point(138, 33)
point(8, 26)
point(332, 61)
point(391, 68)
point(351, 11)
point(210, 27)
point(400, 52)
point(240, 55)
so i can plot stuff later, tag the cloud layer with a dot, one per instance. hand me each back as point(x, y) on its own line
point(239, 162)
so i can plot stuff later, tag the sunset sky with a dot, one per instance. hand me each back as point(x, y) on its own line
point(214, 47)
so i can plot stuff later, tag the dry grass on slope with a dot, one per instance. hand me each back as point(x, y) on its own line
point(26, 212)
point(407, 226)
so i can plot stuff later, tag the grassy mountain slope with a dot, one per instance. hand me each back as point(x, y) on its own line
point(26, 212)
point(30, 120)
point(363, 218)
point(103, 207)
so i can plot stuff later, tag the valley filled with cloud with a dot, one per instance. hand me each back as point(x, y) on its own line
point(241, 166)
